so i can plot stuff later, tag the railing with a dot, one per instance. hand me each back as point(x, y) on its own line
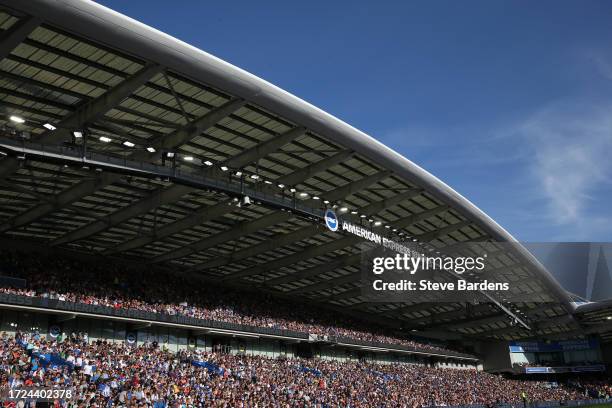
point(55, 304)
point(533, 404)
point(204, 178)
point(584, 368)
point(47, 303)
point(446, 353)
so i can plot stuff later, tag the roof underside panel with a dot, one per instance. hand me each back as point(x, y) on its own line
point(127, 106)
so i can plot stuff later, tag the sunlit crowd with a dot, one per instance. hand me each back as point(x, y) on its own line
point(105, 374)
point(119, 374)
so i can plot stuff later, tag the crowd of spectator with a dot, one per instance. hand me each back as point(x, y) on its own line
point(119, 374)
point(162, 292)
point(106, 374)
point(593, 389)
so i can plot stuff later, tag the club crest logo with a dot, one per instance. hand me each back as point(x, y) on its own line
point(331, 220)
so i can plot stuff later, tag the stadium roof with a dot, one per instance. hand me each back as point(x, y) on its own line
point(136, 94)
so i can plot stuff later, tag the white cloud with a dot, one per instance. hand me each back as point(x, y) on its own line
point(571, 160)
point(602, 64)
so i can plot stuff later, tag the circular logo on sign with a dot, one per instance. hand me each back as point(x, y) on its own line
point(331, 220)
point(54, 331)
point(131, 338)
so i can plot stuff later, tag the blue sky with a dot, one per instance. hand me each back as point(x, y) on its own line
point(510, 103)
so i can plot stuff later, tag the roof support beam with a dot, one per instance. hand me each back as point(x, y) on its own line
point(461, 245)
point(96, 108)
point(263, 149)
point(160, 196)
point(267, 245)
point(341, 262)
point(208, 213)
point(76, 120)
point(15, 35)
point(306, 232)
point(44, 86)
point(230, 234)
point(418, 217)
point(311, 170)
point(223, 261)
point(347, 294)
point(471, 322)
point(501, 269)
point(266, 221)
point(308, 253)
point(572, 334)
point(492, 318)
point(240, 160)
point(355, 186)
point(417, 307)
point(327, 283)
point(65, 198)
point(195, 127)
point(8, 165)
point(199, 217)
point(9, 40)
point(549, 322)
point(49, 199)
point(177, 98)
point(378, 320)
point(45, 101)
point(429, 236)
point(453, 314)
point(379, 206)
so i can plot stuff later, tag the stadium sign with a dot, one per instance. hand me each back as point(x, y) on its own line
point(333, 224)
point(376, 238)
point(131, 338)
point(54, 331)
point(331, 220)
point(552, 346)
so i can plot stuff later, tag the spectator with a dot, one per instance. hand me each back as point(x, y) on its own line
point(146, 376)
point(70, 281)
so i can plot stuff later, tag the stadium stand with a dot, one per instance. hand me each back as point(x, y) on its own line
point(116, 373)
point(108, 285)
point(164, 242)
point(110, 373)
